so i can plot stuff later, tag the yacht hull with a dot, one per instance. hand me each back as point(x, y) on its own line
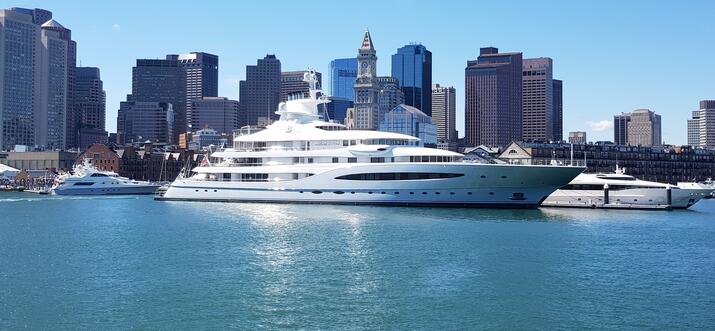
point(107, 190)
point(477, 185)
point(630, 198)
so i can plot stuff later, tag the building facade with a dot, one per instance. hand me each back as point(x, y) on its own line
point(640, 127)
point(37, 68)
point(366, 108)
point(161, 81)
point(537, 100)
point(145, 121)
point(201, 70)
point(701, 128)
point(259, 94)
point(666, 164)
point(389, 95)
point(343, 73)
point(220, 114)
point(493, 98)
point(90, 107)
point(293, 86)
point(444, 111)
point(412, 66)
point(578, 137)
point(337, 109)
point(558, 110)
point(411, 121)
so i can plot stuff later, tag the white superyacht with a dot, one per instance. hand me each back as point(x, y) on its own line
point(621, 191)
point(302, 159)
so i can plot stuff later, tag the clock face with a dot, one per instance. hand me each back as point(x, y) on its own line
point(363, 68)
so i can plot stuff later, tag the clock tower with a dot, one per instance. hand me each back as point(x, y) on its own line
point(366, 89)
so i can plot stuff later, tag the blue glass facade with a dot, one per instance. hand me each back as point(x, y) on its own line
point(411, 121)
point(337, 109)
point(412, 66)
point(343, 73)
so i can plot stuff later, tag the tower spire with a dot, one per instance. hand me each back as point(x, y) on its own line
point(367, 42)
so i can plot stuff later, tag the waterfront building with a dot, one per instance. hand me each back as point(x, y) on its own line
point(144, 163)
point(365, 113)
point(343, 73)
point(201, 70)
point(493, 98)
point(145, 121)
point(220, 114)
point(411, 121)
point(558, 110)
point(444, 113)
point(412, 66)
point(52, 161)
point(640, 127)
point(694, 129)
point(36, 89)
point(292, 84)
point(389, 95)
point(90, 106)
point(537, 100)
point(577, 137)
point(101, 157)
point(666, 164)
point(259, 94)
point(337, 109)
point(161, 81)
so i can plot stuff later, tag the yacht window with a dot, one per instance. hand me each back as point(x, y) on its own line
point(227, 176)
point(83, 183)
point(377, 160)
point(346, 142)
point(352, 160)
point(98, 175)
point(336, 160)
point(310, 160)
point(399, 176)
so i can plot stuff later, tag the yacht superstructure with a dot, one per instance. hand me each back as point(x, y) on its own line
point(619, 190)
point(88, 180)
point(301, 158)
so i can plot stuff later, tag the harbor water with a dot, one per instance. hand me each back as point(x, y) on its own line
point(132, 262)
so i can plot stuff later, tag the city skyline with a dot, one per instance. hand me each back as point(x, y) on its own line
point(606, 62)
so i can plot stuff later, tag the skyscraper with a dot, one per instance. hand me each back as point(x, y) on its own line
point(701, 128)
point(366, 108)
point(139, 121)
point(19, 78)
point(90, 106)
point(220, 114)
point(620, 129)
point(36, 89)
point(162, 81)
point(694, 129)
point(640, 127)
point(389, 95)
point(343, 73)
point(493, 98)
point(538, 100)
point(577, 137)
point(259, 94)
point(292, 83)
point(201, 77)
point(558, 110)
point(444, 112)
point(412, 66)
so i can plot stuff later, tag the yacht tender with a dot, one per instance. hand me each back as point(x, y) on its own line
point(618, 190)
point(300, 158)
point(88, 180)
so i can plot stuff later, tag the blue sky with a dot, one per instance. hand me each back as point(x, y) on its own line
point(613, 56)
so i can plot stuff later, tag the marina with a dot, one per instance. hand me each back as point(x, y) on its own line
point(132, 262)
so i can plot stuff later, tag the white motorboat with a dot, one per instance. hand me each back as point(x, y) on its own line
point(300, 158)
point(85, 179)
point(619, 190)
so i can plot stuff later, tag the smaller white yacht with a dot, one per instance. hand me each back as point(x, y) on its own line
point(88, 180)
point(621, 191)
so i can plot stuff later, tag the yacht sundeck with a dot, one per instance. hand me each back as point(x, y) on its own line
point(619, 190)
point(88, 180)
point(300, 158)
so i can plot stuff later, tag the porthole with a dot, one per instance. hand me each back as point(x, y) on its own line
point(369, 192)
point(436, 193)
point(206, 190)
point(424, 192)
point(382, 192)
point(503, 176)
point(470, 193)
point(339, 192)
point(482, 176)
point(397, 192)
point(491, 193)
point(317, 192)
point(215, 191)
point(451, 193)
point(300, 191)
point(412, 192)
point(352, 192)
